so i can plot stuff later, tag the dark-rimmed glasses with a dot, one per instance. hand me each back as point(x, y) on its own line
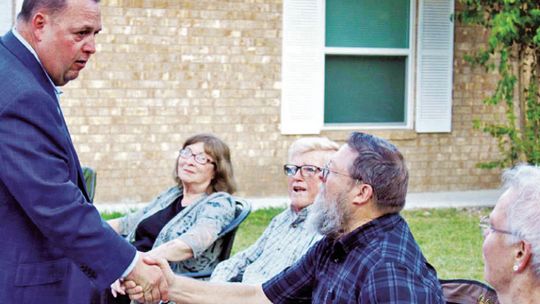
point(486, 227)
point(305, 170)
point(325, 171)
point(200, 158)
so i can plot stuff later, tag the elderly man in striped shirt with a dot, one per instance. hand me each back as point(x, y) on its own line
point(287, 237)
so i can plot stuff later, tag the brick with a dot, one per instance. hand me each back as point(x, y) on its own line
point(168, 69)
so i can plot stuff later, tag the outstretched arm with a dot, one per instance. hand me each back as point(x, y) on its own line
point(174, 251)
point(187, 290)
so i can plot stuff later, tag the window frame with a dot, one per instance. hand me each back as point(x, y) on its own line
point(409, 54)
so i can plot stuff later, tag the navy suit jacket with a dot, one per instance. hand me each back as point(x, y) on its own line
point(54, 247)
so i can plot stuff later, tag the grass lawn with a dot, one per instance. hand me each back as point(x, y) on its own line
point(450, 238)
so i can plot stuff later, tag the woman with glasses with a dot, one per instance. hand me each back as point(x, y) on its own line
point(511, 248)
point(182, 223)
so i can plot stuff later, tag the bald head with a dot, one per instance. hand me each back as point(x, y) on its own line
point(62, 33)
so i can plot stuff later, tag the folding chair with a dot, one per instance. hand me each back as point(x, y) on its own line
point(462, 291)
point(90, 181)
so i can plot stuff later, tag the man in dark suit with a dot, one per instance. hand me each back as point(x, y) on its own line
point(54, 247)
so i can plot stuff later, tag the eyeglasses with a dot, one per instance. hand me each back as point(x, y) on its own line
point(325, 171)
point(305, 170)
point(200, 158)
point(486, 227)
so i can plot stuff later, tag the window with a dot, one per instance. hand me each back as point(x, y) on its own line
point(366, 58)
point(364, 89)
point(363, 63)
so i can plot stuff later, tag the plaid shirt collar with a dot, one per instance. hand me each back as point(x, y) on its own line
point(363, 235)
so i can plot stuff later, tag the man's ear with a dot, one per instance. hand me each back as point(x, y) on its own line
point(38, 22)
point(523, 255)
point(363, 193)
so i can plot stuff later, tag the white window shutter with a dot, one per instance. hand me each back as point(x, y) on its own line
point(302, 68)
point(434, 66)
point(6, 16)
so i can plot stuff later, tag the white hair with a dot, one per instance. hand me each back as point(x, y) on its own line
point(523, 214)
point(308, 144)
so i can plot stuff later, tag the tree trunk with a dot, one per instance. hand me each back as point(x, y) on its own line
point(521, 106)
point(535, 123)
point(528, 126)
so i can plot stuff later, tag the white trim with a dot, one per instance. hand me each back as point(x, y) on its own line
point(435, 59)
point(366, 126)
point(366, 51)
point(411, 63)
point(302, 68)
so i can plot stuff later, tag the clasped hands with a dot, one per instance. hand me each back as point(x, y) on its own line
point(146, 283)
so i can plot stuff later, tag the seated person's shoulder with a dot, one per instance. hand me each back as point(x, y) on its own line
point(221, 196)
point(282, 215)
point(220, 199)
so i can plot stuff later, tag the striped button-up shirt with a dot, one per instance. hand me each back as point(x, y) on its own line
point(379, 262)
point(283, 242)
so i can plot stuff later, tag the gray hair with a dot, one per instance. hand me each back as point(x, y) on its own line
point(308, 144)
point(380, 164)
point(524, 213)
point(30, 7)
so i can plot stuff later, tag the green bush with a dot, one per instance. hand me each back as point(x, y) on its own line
point(513, 50)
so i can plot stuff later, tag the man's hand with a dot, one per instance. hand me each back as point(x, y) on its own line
point(117, 288)
point(136, 292)
point(187, 290)
point(151, 281)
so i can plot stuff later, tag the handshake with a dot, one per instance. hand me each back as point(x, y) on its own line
point(148, 282)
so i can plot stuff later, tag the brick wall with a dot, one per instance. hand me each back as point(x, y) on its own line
point(168, 69)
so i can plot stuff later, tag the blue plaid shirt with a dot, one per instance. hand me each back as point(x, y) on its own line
point(378, 262)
